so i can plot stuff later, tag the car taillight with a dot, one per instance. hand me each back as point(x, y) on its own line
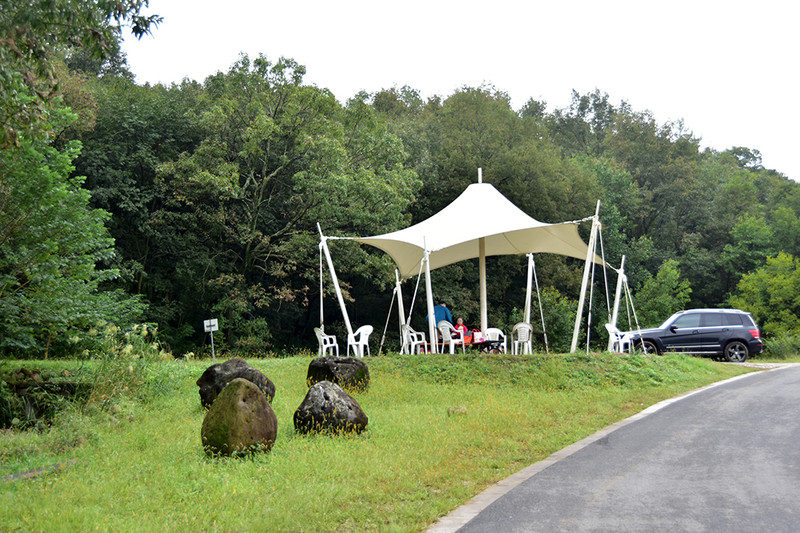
point(755, 333)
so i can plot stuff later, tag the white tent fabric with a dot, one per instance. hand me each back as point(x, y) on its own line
point(481, 222)
point(480, 212)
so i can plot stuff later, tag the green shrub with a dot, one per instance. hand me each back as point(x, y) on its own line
point(782, 346)
point(32, 398)
point(10, 405)
point(124, 361)
point(662, 295)
point(769, 293)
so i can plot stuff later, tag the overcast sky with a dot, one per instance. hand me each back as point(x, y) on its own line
point(729, 68)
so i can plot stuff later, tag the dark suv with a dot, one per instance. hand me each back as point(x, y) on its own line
point(729, 333)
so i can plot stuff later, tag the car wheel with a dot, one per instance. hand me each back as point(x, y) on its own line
point(736, 352)
point(649, 348)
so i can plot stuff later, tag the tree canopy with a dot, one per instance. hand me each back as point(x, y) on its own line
point(178, 203)
point(52, 242)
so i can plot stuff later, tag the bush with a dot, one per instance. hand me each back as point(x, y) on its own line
point(10, 405)
point(123, 362)
point(782, 346)
point(33, 398)
point(770, 294)
point(662, 295)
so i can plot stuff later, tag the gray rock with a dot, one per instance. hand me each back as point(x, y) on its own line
point(328, 408)
point(241, 420)
point(347, 372)
point(217, 376)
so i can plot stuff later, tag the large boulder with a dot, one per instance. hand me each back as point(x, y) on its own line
point(241, 420)
point(328, 408)
point(217, 376)
point(347, 372)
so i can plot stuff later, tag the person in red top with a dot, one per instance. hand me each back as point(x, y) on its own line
point(461, 327)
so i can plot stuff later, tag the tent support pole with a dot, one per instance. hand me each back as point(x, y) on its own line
point(324, 244)
point(529, 290)
point(541, 309)
point(617, 294)
point(400, 310)
point(482, 269)
point(584, 284)
point(321, 307)
point(429, 296)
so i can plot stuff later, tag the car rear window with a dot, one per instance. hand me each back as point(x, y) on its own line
point(733, 319)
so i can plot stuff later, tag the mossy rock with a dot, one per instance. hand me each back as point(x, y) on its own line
point(347, 372)
point(327, 408)
point(240, 421)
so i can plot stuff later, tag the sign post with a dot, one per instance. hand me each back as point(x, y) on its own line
point(211, 326)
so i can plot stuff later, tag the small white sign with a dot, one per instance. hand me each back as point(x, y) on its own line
point(210, 325)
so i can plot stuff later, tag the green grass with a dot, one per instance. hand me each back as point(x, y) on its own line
point(140, 465)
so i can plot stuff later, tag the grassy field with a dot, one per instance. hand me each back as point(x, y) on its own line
point(137, 463)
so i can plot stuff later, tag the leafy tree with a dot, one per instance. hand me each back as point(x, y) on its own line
point(662, 295)
point(50, 242)
point(785, 226)
point(534, 109)
point(752, 243)
point(559, 317)
point(474, 128)
point(394, 102)
point(663, 161)
point(34, 31)
point(770, 293)
point(746, 158)
point(735, 196)
point(238, 221)
point(581, 129)
point(729, 193)
point(620, 201)
point(415, 122)
point(113, 65)
point(136, 129)
point(701, 267)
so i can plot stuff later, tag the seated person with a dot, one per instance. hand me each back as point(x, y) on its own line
point(463, 328)
point(441, 312)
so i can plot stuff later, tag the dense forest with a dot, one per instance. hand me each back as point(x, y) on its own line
point(125, 203)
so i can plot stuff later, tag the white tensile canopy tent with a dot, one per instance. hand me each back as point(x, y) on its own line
point(481, 222)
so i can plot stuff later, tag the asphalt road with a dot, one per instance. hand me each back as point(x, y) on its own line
point(723, 459)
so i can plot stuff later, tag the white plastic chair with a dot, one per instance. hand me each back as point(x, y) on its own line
point(522, 335)
point(414, 341)
point(619, 341)
point(359, 341)
point(451, 335)
point(326, 342)
point(496, 334)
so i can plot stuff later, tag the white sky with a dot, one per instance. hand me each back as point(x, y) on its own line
point(728, 68)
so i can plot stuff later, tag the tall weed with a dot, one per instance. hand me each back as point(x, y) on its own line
point(124, 360)
point(782, 346)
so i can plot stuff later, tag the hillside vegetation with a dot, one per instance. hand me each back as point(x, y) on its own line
point(129, 203)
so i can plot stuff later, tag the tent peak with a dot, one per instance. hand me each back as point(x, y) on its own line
point(480, 214)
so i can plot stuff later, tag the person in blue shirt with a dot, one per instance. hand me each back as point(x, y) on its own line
point(441, 312)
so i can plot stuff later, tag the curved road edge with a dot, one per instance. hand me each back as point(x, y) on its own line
point(458, 517)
